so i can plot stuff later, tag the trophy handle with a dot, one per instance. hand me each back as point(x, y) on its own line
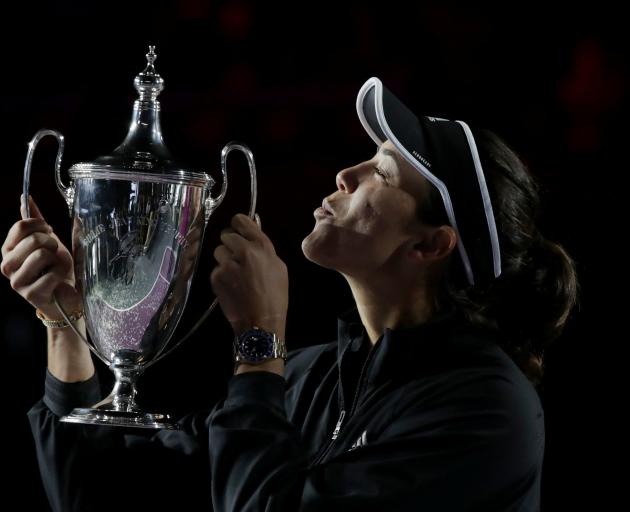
point(211, 205)
point(66, 192)
point(68, 195)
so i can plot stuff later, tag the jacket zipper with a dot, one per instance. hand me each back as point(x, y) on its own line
point(342, 414)
point(338, 426)
point(360, 383)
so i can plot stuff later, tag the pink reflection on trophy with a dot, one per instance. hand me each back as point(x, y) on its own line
point(125, 328)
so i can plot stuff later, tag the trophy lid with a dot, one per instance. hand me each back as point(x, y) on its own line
point(143, 155)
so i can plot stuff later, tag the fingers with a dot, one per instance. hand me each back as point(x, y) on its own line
point(222, 276)
point(15, 257)
point(222, 254)
point(248, 228)
point(20, 230)
point(33, 266)
point(240, 236)
point(35, 212)
point(235, 242)
point(41, 290)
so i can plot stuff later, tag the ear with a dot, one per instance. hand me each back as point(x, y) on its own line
point(435, 243)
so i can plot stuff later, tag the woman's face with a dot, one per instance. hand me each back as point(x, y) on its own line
point(371, 224)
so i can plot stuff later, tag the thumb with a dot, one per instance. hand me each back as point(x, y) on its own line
point(35, 213)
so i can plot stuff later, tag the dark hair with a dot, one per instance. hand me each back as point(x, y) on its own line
point(530, 302)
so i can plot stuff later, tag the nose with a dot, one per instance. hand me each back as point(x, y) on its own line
point(347, 180)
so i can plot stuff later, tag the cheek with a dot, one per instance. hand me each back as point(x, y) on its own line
point(386, 213)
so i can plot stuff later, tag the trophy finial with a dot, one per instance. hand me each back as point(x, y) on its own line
point(148, 83)
point(144, 137)
point(151, 56)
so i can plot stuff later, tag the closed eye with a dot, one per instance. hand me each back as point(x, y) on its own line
point(381, 173)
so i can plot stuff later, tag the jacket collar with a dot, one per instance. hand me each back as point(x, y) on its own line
point(413, 350)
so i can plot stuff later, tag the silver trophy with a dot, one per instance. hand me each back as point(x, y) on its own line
point(139, 219)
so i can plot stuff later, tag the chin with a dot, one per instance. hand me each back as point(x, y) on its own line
point(316, 250)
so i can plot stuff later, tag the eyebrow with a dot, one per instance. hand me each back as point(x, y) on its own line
point(390, 153)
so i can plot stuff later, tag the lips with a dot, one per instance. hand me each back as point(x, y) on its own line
point(327, 208)
point(324, 211)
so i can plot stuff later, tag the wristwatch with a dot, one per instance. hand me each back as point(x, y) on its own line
point(255, 346)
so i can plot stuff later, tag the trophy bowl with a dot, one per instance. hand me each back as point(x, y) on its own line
point(138, 222)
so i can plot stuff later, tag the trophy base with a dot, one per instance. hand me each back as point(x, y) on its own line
point(115, 418)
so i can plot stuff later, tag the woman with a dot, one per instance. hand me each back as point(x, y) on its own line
point(425, 401)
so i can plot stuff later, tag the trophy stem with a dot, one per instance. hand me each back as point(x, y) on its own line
point(123, 396)
point(120, 408)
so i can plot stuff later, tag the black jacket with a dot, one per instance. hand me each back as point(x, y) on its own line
point(434, 417)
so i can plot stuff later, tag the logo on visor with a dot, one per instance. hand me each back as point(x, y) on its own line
point(434, 119)
point(421, 158)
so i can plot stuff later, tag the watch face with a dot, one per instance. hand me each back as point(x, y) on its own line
point(256, 345)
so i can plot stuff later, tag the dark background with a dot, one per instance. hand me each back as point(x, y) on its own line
point(284, 79)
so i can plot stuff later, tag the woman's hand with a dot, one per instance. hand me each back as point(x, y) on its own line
point(39, 265)
point(250, 281)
